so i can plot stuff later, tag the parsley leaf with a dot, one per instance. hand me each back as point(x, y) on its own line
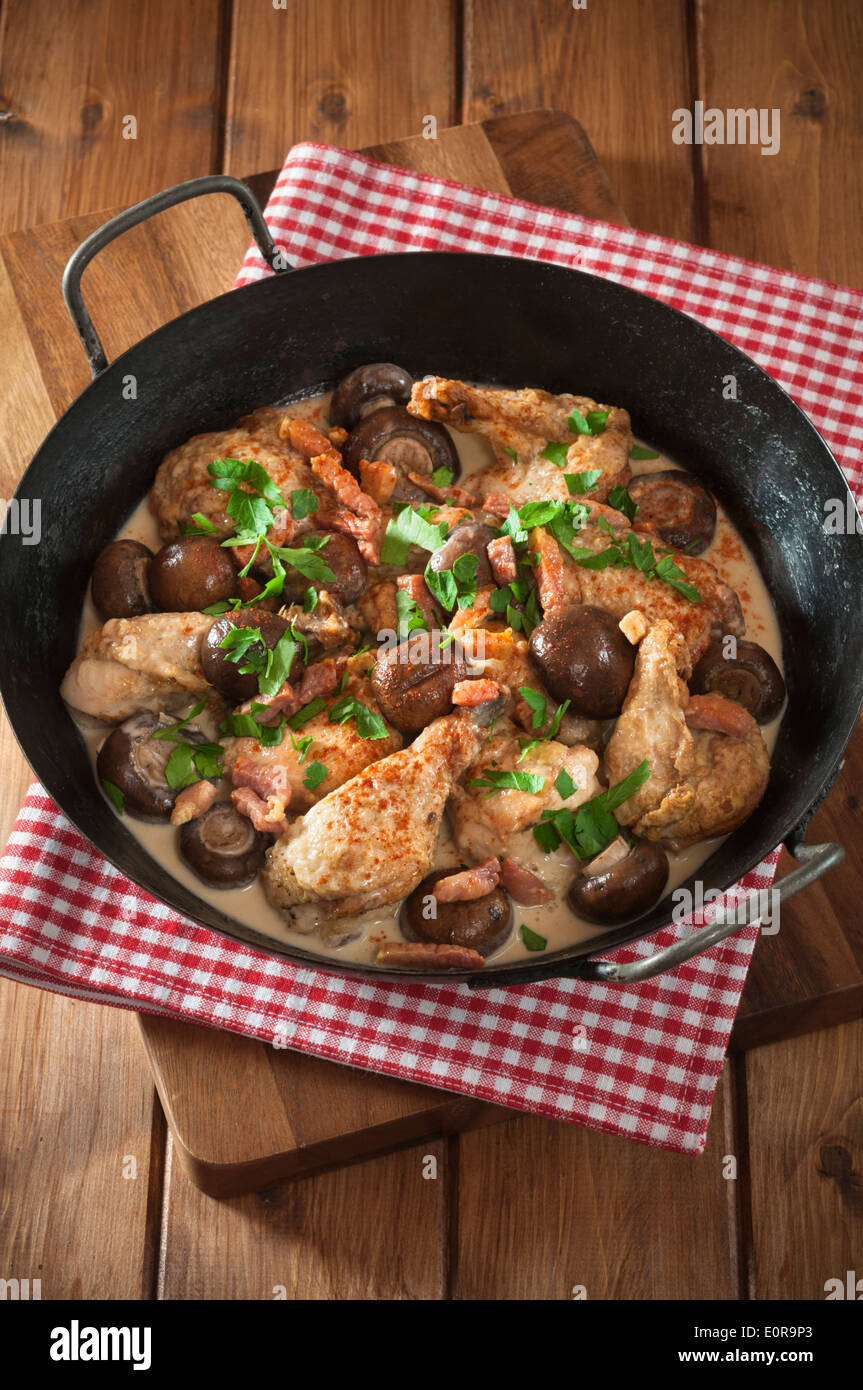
point(555, 453)
point(638, 451)
point(509, 781)
point(409, 614)
point(620, 499)
point(582, 482)
point(114, 794)
point(513, 455)
point(303, 503)
point(315, 775)
point(227, 474)
point(593, 826)
point(532, 940)
point(537, 704)
point(369, 725)
point(310, 599)
point(308, 712)
point(409, 528)
point(563, 783)
point(442, 477)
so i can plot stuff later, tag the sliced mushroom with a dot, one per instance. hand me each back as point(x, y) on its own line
point(413, 682)
point(412, 446)
point(132, 760)
point(223, 847)
point(189, 575)
point(470, 538)
point(216, 662)
point(367, 389)
point(616, 886)
point(119, 582)
point(482, 924)
point(750, 676)
point(583, 657)
point(677, 506)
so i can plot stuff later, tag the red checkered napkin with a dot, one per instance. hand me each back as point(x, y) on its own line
point(641, 1062)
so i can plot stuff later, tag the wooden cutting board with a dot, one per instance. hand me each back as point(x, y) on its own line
point(245, 1115)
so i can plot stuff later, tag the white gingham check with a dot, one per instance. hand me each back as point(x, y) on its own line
point(641, 1062)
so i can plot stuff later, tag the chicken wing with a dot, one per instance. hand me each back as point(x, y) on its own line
point(183, 486)
point(652, 725)
point(727, 782)
point(523, 423)
point(131, 664)
point(485, 825)
point(371, 841)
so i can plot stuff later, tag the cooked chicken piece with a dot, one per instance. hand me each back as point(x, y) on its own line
point(372, 841)
point(484, 825)
point(327, 623)
point(376, 607)
point(183, 485)
point(501, 657)
point(131, 664)
point(562, 581)
point(525, 422)
point(728, 781)
point(652, 725)
point(338, 746)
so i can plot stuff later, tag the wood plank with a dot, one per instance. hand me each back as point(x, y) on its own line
point(73, 72)
point(362, 1233)
point(620, 69)
point(806, 1156)
point(308, 1115)
point(795, 208)
point(76, 1110)
point(587, 1209)
point(347, 75)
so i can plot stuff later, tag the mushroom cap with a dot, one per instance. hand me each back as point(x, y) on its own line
point(366, 389)
point(482, 924)
point(222, 847)
point(624, 890)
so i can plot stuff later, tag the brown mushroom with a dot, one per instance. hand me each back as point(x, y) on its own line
point(134, 762)
point(750, 676)
point(223, 847)
point(677, 507)
point(413, 682)
point(342, 556)
point(367, 389)
point(582, 656)
point(469, 538)
point(482, 924)
point(620, 884)
point(413, 446)
point(191, 574)
point(216, 659)
point(119, 581)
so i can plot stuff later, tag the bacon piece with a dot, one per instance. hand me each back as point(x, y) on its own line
point(497, 504)
point(379, 479)
point(469, 884)
point(193, 801)
point(319, 679)
point(264, 815)
point(337, 436)
point(307, 440)
point(501, 557)
point(549, 569)
point(457, 496)
point(367, 531)
point(328, 467)
point(478, 692)
point(424, 955)
point(715, 712)
point(416, 587)
point(523, 886)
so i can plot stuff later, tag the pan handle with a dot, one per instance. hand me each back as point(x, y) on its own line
point(139, 212)
point(813, 861)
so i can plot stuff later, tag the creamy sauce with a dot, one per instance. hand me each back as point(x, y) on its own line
point(358, 939)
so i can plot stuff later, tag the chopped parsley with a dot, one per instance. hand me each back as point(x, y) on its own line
point(114, 794)
point(303, 503)
point(505, 780)
point(315, 775)
point(532, 940)
point(555, 453)
point(310, 599)
point(593, 422)
point(638, 451)
point(307, 713)
point(588, 830)
point(409, 527)
point(455, 586)
point(578, 483)
point(369, 725)
point(620, 499)
point(409, 615)
point(442, 477)
point(513, 455)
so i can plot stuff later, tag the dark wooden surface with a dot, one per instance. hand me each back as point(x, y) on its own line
point(231, 86)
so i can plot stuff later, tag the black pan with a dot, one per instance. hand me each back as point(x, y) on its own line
point(487, 318)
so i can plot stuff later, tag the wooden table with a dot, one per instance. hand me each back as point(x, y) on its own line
point(93, 1202)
